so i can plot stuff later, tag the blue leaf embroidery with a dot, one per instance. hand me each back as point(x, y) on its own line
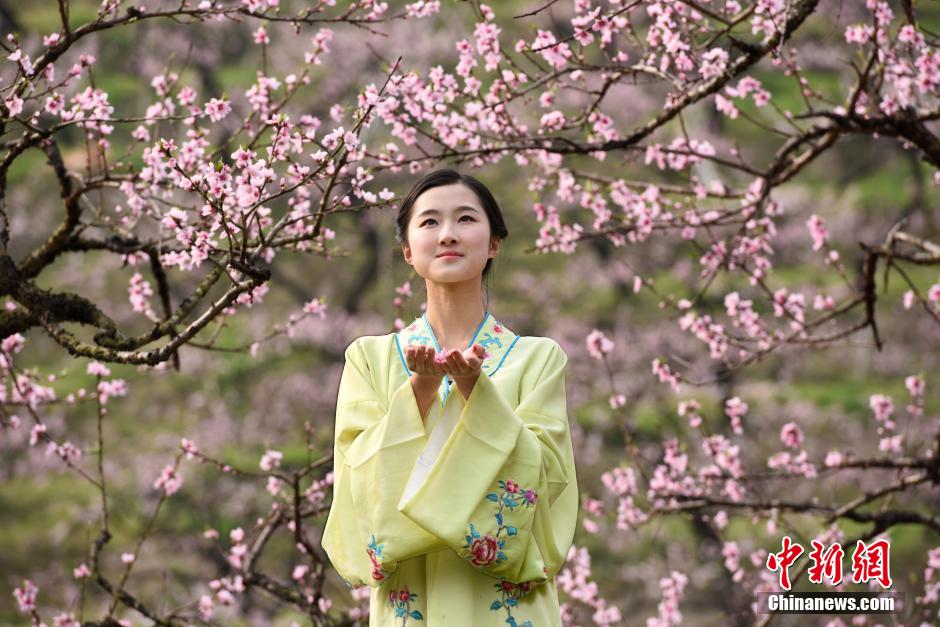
point(510, 596)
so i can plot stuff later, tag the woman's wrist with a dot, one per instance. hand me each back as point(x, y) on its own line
point(426, 380)
point(425, 391)
point(465, 377)
point(466, 384)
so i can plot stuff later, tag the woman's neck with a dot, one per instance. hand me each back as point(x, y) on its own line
point(454, 325)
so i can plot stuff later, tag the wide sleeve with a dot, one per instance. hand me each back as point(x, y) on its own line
point(502, 489)
point(374, 450)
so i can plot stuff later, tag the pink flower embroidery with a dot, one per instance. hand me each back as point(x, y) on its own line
point(375, 551)
point(484, 550)
point(401, 601)
point(377, 573)
point(511, 595)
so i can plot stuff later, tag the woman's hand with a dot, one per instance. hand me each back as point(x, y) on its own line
point(422, 361)
point(463, 366)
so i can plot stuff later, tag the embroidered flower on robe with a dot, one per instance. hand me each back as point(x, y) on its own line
point(510, 595)
point(375, 552)
point(485, 549)
point(401, 600)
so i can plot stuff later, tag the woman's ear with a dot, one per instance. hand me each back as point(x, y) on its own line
point(406, 253)
point(494, 246)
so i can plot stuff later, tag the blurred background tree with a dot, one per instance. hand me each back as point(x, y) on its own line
point(725, 212)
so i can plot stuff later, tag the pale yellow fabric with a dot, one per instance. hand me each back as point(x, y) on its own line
point(499, 469)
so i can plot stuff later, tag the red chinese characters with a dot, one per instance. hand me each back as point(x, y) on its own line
point(784, 559)
point(828, 563)
point(869, 562)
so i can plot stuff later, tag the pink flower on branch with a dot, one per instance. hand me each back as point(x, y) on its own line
point(882, 406)
point(423, 8)
point(726, 106)
point(673, 588)
point(217, 109)
point(557, 54)
point(791, 435)
point(688, 188)
point(817, 229)
point(662, 370)
point(26, 596)
point(271, 460)
point(169, 481)
point(598, 344)
point(81, 571)
point(735, 409)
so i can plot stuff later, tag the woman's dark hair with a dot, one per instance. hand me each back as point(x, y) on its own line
point(447, 177)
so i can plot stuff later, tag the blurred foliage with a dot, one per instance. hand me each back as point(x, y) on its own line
point(49, 518)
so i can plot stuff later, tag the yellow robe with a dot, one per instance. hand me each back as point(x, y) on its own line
point(463, 522)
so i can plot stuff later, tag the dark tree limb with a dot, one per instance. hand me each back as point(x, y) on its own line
point(45, 254)
point(78, 348)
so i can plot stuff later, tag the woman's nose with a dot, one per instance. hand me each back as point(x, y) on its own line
point(447, 234)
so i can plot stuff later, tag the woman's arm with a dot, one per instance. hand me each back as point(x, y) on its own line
point(502, 491)
point(425, 390)
point(426, 380)
point(376, 444)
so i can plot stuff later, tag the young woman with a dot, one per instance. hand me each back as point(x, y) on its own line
point(455, 494)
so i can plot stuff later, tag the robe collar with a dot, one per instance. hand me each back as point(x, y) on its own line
point(495, 338)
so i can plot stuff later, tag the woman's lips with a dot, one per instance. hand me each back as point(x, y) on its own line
point(449, 256)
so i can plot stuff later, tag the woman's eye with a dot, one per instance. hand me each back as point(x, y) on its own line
point(433, 220)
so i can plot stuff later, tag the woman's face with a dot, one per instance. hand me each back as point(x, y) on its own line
point(449, 218)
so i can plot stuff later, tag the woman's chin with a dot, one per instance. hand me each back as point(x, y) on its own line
point(462, 276)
